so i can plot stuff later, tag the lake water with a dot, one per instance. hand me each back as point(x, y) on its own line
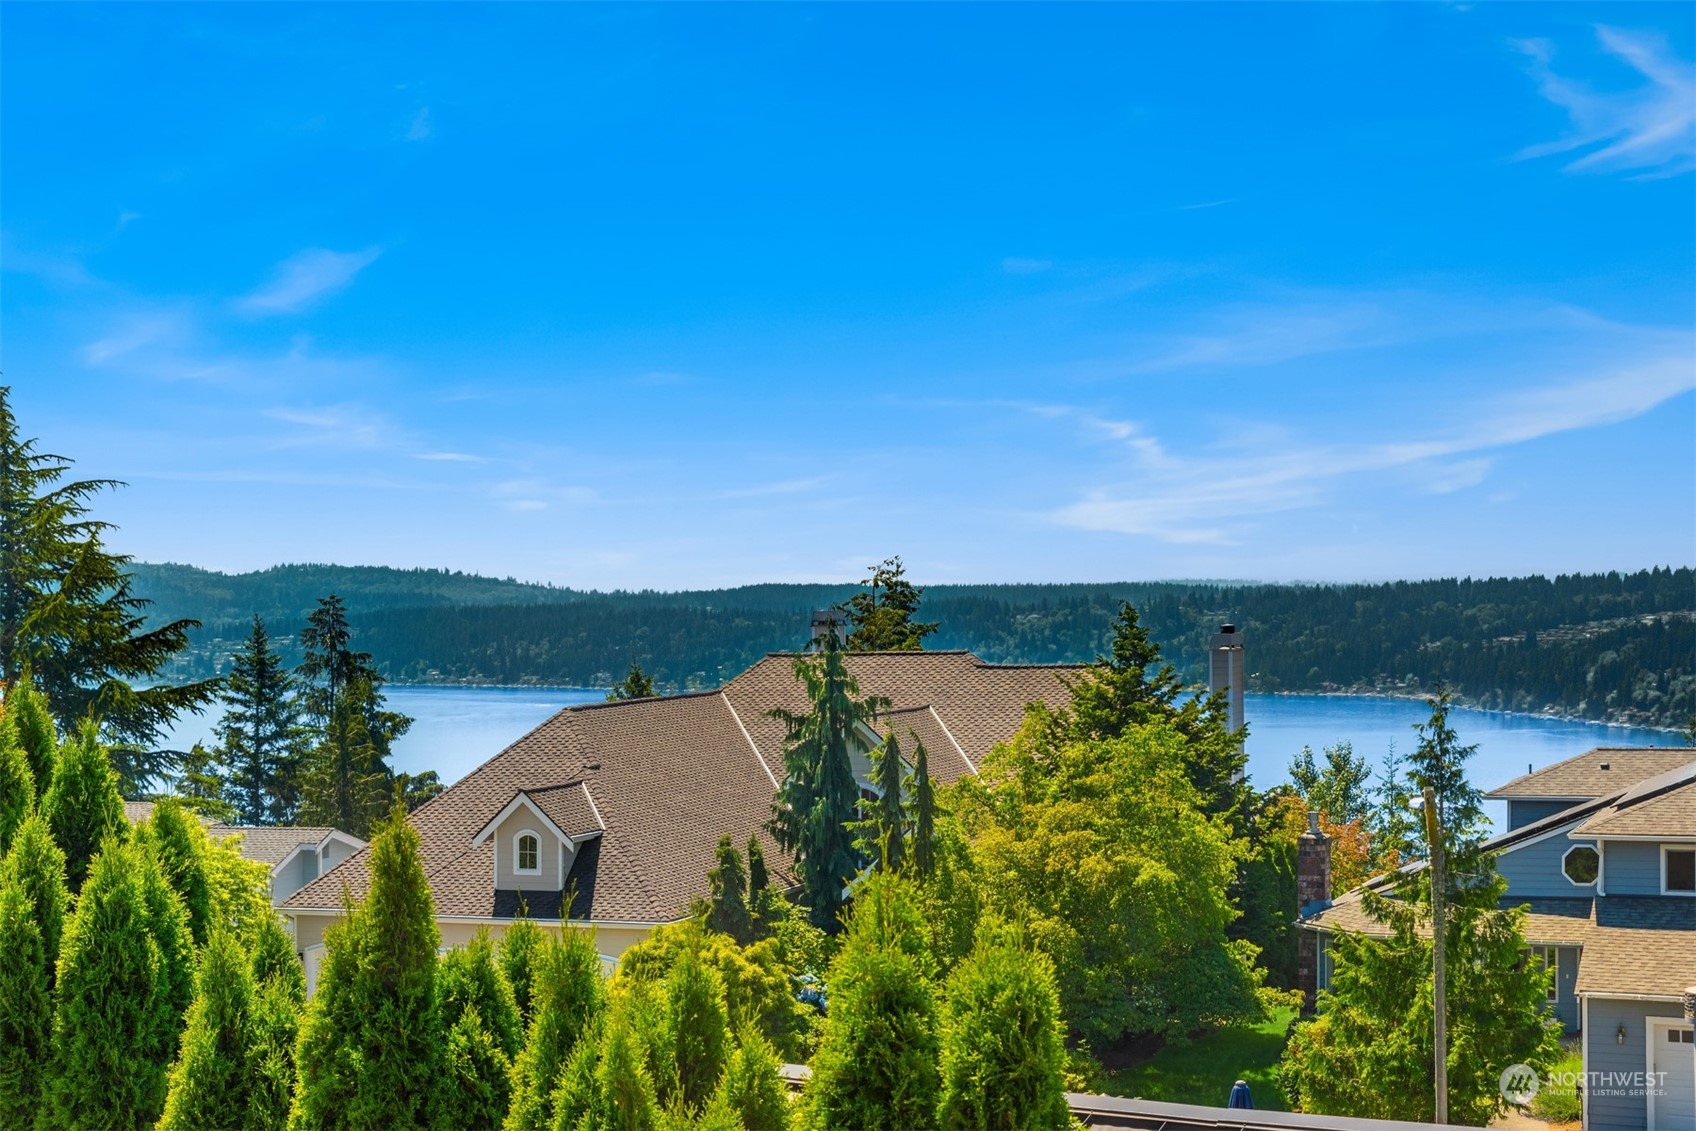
point(458, 728)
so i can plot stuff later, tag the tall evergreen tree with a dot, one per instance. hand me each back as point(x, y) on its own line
point(38, 866)
point(168, 922)
point(367, 1054)
point(819, 797)
point(260, 738)
point(727, 905)
point(17, 784)
point(178, 843)
point(483, 1034)
point(751, 1094)
point(520, 947)
point(567, 998)
point(211, 1083)
point(345, 784)
point(114, 1022)
point(696, 1029)
point(883, 621)
point(28, 710)
point(921, 794)
point(877, 1066)
point(636, 684)
point(82, 805)
point(1003, 1044)
point(274, 1029)
point(202, 786)
point(26, 1007)
point(759, 886)
point(884, 827)
point(69, 614)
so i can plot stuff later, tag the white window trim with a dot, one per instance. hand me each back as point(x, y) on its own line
point(1666, 848)
point(1569, 852)
point(518, 839)
point(1550, 957)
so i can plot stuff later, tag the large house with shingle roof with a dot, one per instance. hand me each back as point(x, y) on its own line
point(1601, 851)
point(618, 807)
point(295, 854)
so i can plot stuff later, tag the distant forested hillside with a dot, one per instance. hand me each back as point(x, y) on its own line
point(1620, 647)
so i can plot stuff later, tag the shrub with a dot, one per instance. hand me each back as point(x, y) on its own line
point(17, 784)
point(518, 950)
point(566, 998)
point(39, 868)
point(211, 1083)
point(82, 805)
point(26, 1010)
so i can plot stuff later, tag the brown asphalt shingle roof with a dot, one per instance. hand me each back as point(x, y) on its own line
point(1582, 778)
point(268, 844)
point(667, 776)
point(1664, 805)
point(1640, 944)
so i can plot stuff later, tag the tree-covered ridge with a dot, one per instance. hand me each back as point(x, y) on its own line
point(1609, 646)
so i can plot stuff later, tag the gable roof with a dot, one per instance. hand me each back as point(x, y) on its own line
point(1662, 806)
point(268, 844)
point(665, 777)
point(1584, 778)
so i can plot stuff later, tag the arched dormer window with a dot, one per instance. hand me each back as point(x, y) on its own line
point(525, 852)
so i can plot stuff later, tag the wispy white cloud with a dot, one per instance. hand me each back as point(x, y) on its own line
point(1649, 129)
point(538, 494)
point(450, 457)
point(339, 425)
point(1252, 335)
point(305, 277)
point(1015, 265)
point(422, 128)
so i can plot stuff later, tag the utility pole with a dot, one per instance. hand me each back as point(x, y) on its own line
point(1439, 1005)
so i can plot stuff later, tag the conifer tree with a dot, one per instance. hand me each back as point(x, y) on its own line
point(636, 684)
point(37, 865)
point(17, 784)
point(29, 713)
point(201, 785)
point(696, 1029)
point(759, 885)
point(877, 1065)
point(886, 818)
point(608, 1083)
point(114, 1023)
point(1003, 1045)
point(483, 1035)
point(274, 1027)
point(344, 781)
point(566, 999)
point(82, 805)
point(519, 948)
point(367, 1053)
point(751, 1093)
point(884, 622)
point(727, 905)
point(168, 922)
point(211, 1083)
point(818, 798)
point(68, 611)
point(260, 738)
point(470, 977)
point(26, 1006)
point(921, 800)
point(178, 842)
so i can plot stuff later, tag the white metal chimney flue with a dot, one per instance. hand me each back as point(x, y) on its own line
point(1225, 670)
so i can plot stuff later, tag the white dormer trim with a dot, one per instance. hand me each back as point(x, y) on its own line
point(520, 799)
point(354, 845)
point(517, 841)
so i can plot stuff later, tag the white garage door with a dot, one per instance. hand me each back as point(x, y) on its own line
point(1674, 1052)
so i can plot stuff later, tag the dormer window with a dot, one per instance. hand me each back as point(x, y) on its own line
point(527, 853)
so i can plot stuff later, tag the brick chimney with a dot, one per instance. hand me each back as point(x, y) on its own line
point(1313, 895)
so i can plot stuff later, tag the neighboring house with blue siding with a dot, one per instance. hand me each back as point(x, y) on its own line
point(1601, 852)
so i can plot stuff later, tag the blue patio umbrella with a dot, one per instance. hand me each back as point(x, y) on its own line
point(1240, 1096)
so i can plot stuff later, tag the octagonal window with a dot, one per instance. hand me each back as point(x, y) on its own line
point(1581, 864)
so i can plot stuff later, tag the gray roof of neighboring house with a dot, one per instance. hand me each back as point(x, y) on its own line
point(667, 776)
point(1584, 777)
point(268, 844)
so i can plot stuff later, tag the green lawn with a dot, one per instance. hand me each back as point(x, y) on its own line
point(1203, 1071)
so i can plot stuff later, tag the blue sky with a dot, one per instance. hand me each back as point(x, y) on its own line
point(697, 295)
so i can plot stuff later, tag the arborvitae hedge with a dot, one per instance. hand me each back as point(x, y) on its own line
point(751, 1093)
point(518, 950)
point(39, 868)
point(27, 708)
point(695, 1027)
point(168, 921)
point(175, 837)
point(211, 1082)
point(483, 1035)
point(567, 995)
point(1003, 1049)
point(17, 784)
point(26, 1009)
point(82, 805)
point(113, 1023)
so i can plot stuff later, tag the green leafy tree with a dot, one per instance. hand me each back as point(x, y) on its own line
point(211, 1083)
point(32, 719)
point(69, 614)
point(1341, 788)
point(414, 790)
point(1369, 1052)
point(877, 1065)
point(114, 1025)
point(202, 786)
point(1104, 850)
point(17, 784)
point(260, 738)
point(26, 1006)
point(727, 904)
point(818, 798)
point(178, 842)
point(567, 998)
point(881, 618)
point(83, 806)
point(636, 684)
point(367, 1054)
point(520, 946)
point(37, 866)
point(1003, 1045)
